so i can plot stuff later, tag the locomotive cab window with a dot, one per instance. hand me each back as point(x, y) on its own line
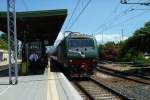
point(76, 43)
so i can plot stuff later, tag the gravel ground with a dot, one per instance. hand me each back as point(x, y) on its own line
point(129, 69)
point(132, 89)
point(119, 67)
point(98, 92)
point(80, 92)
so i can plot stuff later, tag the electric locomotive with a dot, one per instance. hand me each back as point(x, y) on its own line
point(78, 54)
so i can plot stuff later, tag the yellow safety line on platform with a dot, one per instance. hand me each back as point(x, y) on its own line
point(52, 90)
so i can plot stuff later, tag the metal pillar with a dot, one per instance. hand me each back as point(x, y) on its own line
point(12, 42)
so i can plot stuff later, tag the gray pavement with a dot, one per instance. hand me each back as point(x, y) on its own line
point(28, 88)
point(47, 86)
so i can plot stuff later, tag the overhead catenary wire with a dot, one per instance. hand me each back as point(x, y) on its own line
point(74, 10)
point(116, 25)
point(81, 12)
point(25, 5)
point(109, 20)
point(115, 9)
point(125, 21)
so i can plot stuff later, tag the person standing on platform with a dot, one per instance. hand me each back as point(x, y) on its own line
point(33, 58)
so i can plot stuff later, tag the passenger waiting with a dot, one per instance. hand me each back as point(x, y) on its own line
point(33, 58)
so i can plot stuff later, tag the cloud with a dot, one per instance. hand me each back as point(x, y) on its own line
point(109, 37)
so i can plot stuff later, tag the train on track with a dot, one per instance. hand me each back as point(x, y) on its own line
point(78, 53)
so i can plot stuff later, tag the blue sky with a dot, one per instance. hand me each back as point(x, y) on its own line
point(110, 15)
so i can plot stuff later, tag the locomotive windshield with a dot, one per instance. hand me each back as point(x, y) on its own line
point(75, 43)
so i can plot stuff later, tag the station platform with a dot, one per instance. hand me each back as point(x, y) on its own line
point(47, 86)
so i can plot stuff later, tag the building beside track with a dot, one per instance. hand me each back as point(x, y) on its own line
point(3, 55)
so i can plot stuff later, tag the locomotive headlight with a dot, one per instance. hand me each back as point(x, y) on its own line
point(70, 60)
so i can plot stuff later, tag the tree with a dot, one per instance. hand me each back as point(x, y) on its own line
point(3, 41)
point(109, 51)
point(135, 47)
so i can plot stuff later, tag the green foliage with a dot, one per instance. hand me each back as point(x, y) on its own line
point(132, 55)
point(134, 47)
point(3, 41)
point(110, 43)
point(100, 47)
point(109, 51)
point(3, 45)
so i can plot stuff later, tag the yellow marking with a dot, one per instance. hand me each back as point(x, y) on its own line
point(48, 88)
point(52, 90)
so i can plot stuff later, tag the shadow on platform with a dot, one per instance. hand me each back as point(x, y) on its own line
point(4, 83)
point(55, 66)
point(36, 71)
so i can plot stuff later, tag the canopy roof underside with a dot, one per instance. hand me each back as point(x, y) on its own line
point(36, 25)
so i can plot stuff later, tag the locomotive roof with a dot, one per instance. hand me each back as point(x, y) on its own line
point(78, 35)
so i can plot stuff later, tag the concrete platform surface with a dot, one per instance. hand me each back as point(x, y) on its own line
point(48, 86)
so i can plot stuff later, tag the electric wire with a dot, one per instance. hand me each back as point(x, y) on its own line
point(110, 20)
point(81, 12)
point(107, 18)
point(125, 21)
point(25, 5)
point(117, 17)
point(118, 24)
point(74, 10)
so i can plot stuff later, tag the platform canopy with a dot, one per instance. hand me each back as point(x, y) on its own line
point(36, 25)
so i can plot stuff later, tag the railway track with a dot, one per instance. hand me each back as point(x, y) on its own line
point(94, 90)
point(138, 79)
point(132, 87)
point(141, 76)
point(123, 73)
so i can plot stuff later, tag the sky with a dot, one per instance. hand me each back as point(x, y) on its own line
point(107, 16)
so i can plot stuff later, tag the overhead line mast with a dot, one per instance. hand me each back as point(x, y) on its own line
point(140, 3)
point(12, 41)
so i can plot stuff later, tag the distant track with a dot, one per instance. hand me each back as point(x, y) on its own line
point(121, 75)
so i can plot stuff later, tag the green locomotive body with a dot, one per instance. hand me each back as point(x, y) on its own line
point(78, 54)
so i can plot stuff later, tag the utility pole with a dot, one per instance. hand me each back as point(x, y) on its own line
point(102, 38)
point(122, 34)
point(12, 41)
